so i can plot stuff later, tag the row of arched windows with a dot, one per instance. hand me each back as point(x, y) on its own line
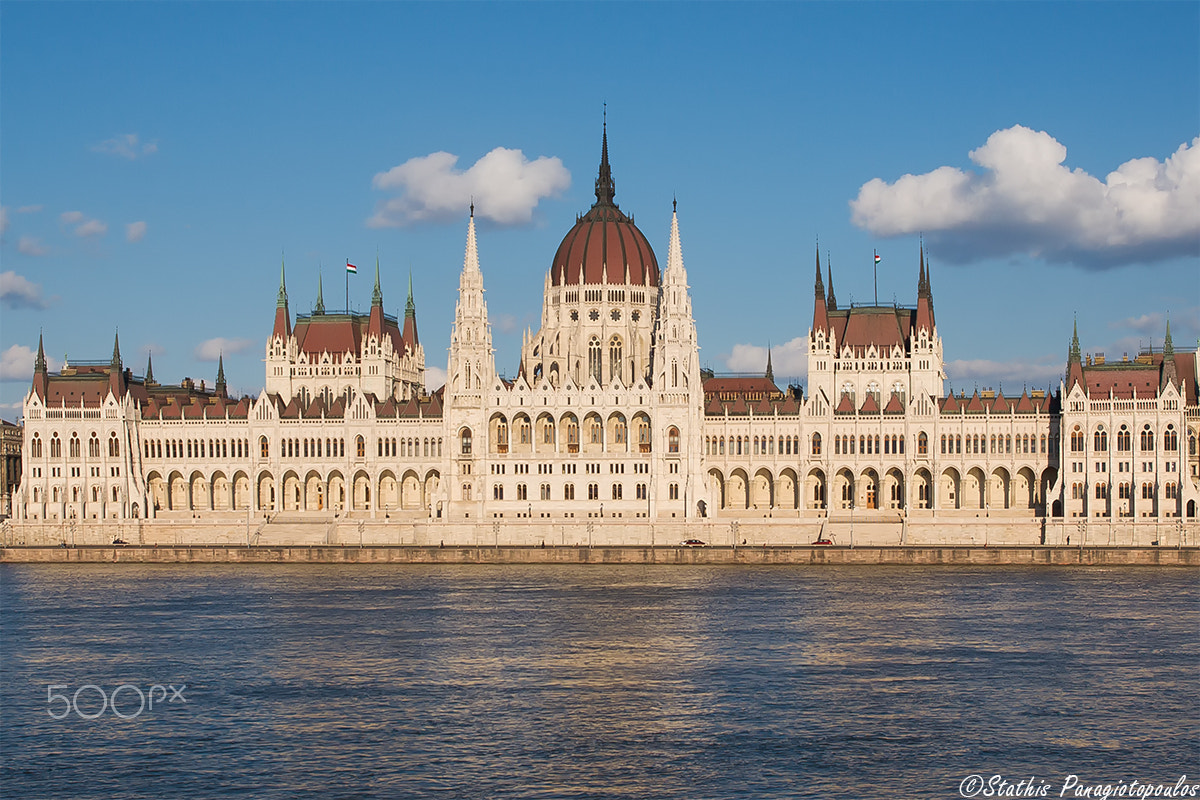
point(74, 447)
point(196, 448)
point(1146, 440)
point(412, 447)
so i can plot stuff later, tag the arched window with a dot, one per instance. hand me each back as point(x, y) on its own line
point(74, 446)
point(464, 437)
point(1076, 440)
point(594, 359)
point(55, 446)
point(1147, 439)
point(1100, 440)
point(1124, 440)
point(943, 444)
point(1170, 439)
point(614, 358)
point(35, 447)
point(94, 446)
point(114, 446)
point(816, 444)
point(922, 444)
point(672, 439)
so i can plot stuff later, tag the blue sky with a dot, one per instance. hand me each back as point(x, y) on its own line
point(157, 159)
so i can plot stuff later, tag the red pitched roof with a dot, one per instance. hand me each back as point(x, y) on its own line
point(863, 326)
point(845, 405)
point(894, 406)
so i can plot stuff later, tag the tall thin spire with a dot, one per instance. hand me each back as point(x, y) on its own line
point(40, 364)
point(221, 375)
point(471, 257)
point(410, 307)
point(820, 306)
point(1075, 356)
point(606, 189)
point(116, 356)
point(281, 300)
point(410, 317)
point(770, 372)
point(149, 368)
point(1168, 345)
point(831, 303)
point(376, 293)
point(320, 307)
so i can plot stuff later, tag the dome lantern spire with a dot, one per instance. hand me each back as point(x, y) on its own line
point(606, 189)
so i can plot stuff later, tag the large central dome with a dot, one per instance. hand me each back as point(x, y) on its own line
point(605, 245)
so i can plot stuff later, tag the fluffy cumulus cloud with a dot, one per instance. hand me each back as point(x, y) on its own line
point(435, 378)
point(213, 349)
point(83, 226)
point(31, 246)
point(17, 291)
point(135, 231)
point(504, 184)
point(1012, 376)
point(1027, 201)
point(126, 145)
point(788, 360)
point(16, 363)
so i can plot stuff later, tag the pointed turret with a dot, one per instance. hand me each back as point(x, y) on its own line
point(820, 309)
point(116, 380)
point(283, 319)
point(41, 375)
point(376, 293)
point(471, 365)
point(375, 325)
point(319, 308)
point(924, 297)
point(1074, 360)
point(770, 372)
point(831, 303)
point(149, 380)
point(410, 318)
point(221, 392)
point(606, 189)
point(1170, 375)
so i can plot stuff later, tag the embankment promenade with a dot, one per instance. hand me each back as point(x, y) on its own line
point(1102, 556)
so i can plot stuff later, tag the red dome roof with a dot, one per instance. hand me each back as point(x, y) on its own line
point(604, 242)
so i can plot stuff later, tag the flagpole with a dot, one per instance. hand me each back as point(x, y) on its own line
point(347, 286)
point(875, 264)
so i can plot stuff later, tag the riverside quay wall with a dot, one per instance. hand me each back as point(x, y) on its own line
point(302, 539)
point(611, 554)
point(282, 530)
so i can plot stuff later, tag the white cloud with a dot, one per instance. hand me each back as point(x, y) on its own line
point(212, 349)
point(788, 360)
point(30, 209)
point(126, 145)
point(135, 231)
point(17, 291)
point(31, 246)
point(3, 219)
point(93, 227)
point(84, 226)
point(504, 185)
point(1027, 202)
point(435, 378)
point(966, 374)
point(16, 363)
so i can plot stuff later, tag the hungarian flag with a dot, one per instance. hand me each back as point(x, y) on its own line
point(351, 268)
point(878, 258)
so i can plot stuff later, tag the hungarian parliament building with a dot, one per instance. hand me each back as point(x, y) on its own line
point(609, 417)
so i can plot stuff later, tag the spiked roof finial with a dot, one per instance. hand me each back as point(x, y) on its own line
point(40, 364)
point(221, 373)
point(116, 356)
point(606, 189)
point(281, 298)
point(320, 307)
point(149, 368)
point(377, 293)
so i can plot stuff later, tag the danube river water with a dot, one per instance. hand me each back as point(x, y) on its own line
point(592, 681)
